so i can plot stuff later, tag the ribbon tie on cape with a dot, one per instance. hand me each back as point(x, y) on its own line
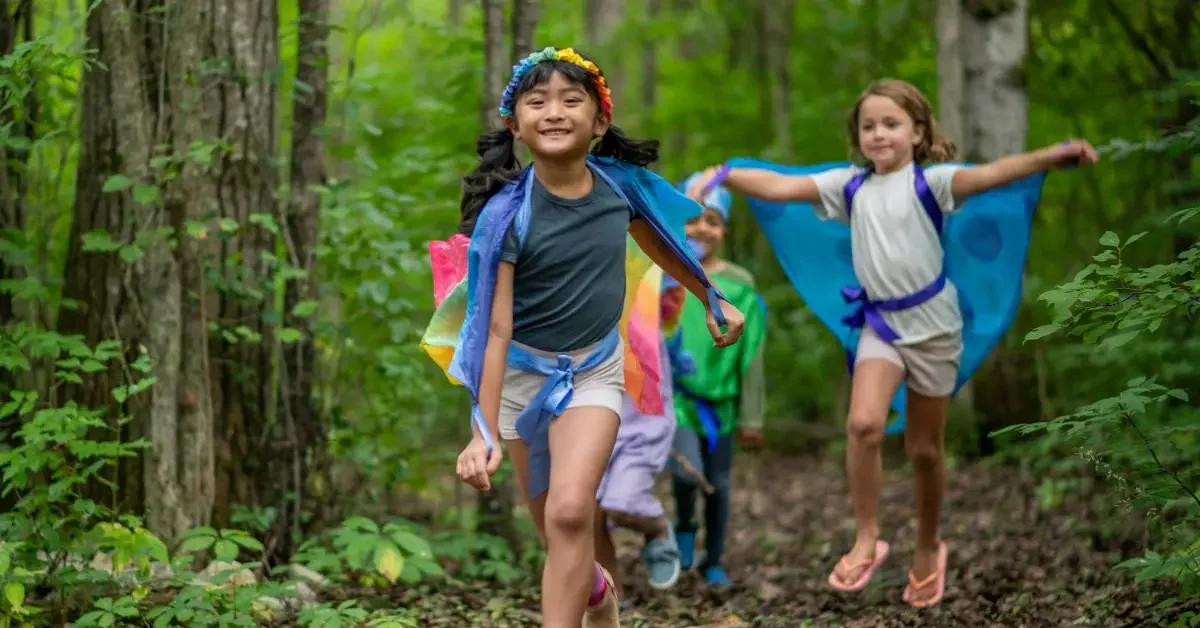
point(533, 425)
point(870, 312)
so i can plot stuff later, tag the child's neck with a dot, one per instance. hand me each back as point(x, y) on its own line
point(889, 169)
point(712, 264)
point(568, 179)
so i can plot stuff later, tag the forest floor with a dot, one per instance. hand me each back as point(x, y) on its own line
point(1013, 561)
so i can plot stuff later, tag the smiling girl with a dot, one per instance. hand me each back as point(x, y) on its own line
point(540, 345)
point(908, 311)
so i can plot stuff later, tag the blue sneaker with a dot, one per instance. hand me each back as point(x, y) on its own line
point(687, 548)
point(662, 560)
point(716, 577)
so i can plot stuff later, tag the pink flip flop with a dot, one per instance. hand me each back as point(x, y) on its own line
point(881, 552)
point(937, 578)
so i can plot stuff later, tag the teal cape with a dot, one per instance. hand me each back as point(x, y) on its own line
point(985, 244)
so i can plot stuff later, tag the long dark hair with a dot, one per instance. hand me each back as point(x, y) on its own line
point(498, 161)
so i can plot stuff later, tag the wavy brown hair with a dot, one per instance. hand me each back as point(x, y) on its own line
point(934, 147)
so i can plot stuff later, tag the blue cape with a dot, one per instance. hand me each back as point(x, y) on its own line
point(651, 198)
point(985, 242)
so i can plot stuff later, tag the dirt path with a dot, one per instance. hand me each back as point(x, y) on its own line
point(1011, 562)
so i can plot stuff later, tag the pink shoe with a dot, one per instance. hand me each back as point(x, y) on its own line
point(871, 564)
point(936, 579)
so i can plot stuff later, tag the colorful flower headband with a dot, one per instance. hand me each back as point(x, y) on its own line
point(568, 55)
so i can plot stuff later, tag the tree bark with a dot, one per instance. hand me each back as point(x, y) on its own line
point(303, 424)
point(524, 23)
point(495, 506)
point(995, 102)
point(987, 89)
point(601, 20)
point(495, 65)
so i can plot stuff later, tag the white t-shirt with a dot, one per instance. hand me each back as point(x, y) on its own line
point(896, 250)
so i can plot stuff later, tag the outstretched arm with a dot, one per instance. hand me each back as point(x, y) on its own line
point(659, 252)
point(969, 181)
point(764, 184)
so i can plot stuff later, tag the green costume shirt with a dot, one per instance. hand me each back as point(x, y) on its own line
point(731, 379)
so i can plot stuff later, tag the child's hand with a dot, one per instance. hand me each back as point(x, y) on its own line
point(1074, 153)
point(734, 322)
point(475, 467)
point(695, 191)
point(750, 438)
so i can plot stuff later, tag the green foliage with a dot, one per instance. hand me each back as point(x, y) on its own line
point(1145, 439)
point(394, 551)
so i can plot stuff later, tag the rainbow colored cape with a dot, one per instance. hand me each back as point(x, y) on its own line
point(465, 273)
point(985, 242)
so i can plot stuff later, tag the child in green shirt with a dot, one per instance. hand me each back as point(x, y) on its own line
point(724, 393)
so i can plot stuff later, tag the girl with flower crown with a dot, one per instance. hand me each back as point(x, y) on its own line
point(540, 318)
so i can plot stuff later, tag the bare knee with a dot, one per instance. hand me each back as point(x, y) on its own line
point(924, 454)
point(570, 514)
point(865, 428)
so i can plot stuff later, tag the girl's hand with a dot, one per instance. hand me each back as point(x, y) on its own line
point(476, 467)
point(1074, 153)
point(696, 189)
point(734, 323)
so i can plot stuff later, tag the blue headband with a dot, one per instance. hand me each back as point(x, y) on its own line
point(718, 200)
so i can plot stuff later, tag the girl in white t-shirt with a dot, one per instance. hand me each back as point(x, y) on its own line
point(913, 333)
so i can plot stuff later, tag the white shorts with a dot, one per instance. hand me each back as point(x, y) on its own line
point(930, 366)
point(603, 386)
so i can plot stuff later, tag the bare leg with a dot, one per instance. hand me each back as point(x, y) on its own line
point(606, 551)
point(874, 384)
point(924, 441)
point(581, 441)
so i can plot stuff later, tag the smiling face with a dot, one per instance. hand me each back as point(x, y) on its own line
point(887, 135)
point(558, 118)
point(708, 229)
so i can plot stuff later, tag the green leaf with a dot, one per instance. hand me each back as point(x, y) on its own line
point(304, 308)
point(117, 183)
point(411, 543)
point(131, 253)
point(390, 562)
point(1119, 340)
point(99, 241)
point(289, 335)
point(196, 544)
point(145, 194)
point(1135, 237)
point(1042, 332)
point(226, 550)
point(248, 542)
point(1178, 394)
point(14, 592)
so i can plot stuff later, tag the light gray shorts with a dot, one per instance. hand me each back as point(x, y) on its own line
point(603, 386)
point(930, 366)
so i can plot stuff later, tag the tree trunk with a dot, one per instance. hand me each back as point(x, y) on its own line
point(304, 429)
point(495, 506)
point(601, 18)
point(454, 13)
point(650, 70)
point(948, 24)
point(995, 103)
point(248, 447)
point(236, 426)
point(524, 22)
point(16, 26)
point(987, 89)
point(948, 27)
point(780, 17)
